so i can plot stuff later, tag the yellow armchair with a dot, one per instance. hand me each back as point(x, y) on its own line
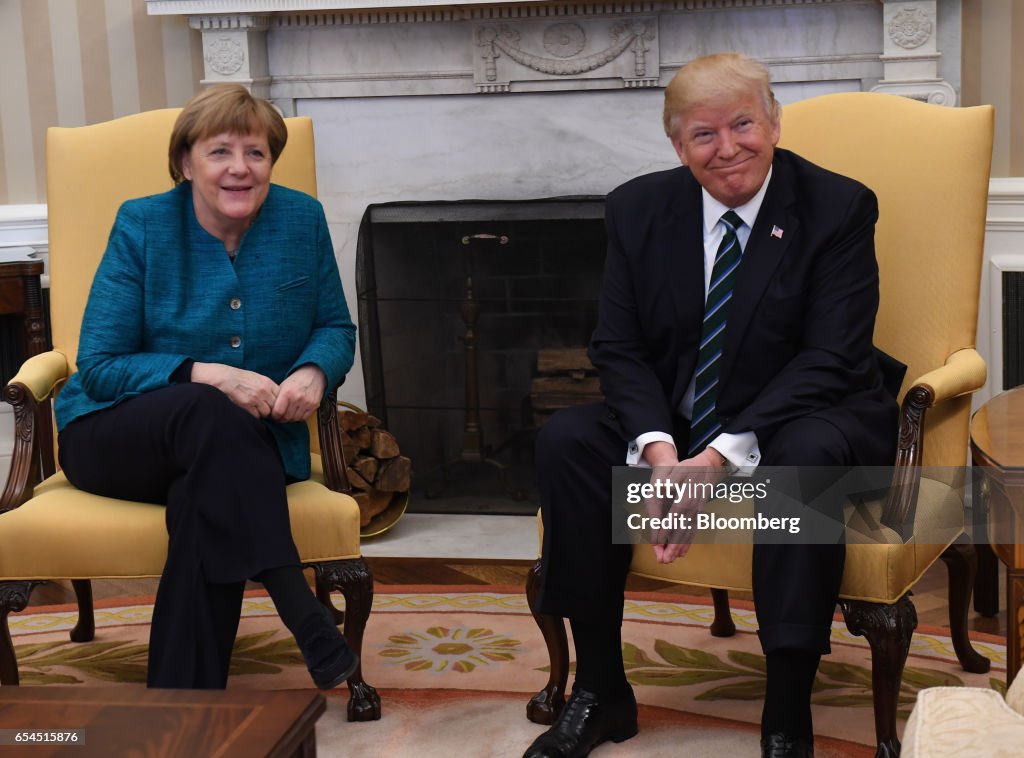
point(929, 167)
point(48, 529)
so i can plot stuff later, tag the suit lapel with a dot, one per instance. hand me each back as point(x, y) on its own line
point(761, 256)
point(683, 243)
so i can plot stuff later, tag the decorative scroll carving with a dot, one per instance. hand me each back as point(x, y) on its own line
point(24, 458)
point(225, 56)
point(14, 597)
point(910, 28)
point(354, 580)
point(888, 629)
point(901, 500)
point(332, 454)
point(625, 35)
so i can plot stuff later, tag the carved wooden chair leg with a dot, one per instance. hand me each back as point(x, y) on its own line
point(85, 629)
point(545, 706)
point(323, 594)
point(723, 625)
point(13, 598)
point(354, 580)
point(962, 565)
point(888, 629)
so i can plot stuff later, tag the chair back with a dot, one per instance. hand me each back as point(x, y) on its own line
point(91, 170)
point(929, 166)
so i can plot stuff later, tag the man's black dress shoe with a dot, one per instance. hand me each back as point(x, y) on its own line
point(586, 721)
point(779, 745)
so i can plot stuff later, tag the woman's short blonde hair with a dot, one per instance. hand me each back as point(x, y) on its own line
point(713, 77)
point(219, 109)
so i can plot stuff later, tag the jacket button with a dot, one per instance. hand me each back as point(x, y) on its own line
point(235, 303)
point(235, 341)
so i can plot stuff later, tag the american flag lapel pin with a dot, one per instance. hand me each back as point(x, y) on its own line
point(776, 232)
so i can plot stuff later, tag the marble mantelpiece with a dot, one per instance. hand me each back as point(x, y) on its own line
point(288, 49)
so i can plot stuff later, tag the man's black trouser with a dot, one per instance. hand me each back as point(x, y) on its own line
point(584, 574)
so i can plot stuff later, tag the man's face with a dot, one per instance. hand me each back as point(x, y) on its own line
point(728, 145)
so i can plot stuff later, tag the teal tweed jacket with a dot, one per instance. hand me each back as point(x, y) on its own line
point(166, 291)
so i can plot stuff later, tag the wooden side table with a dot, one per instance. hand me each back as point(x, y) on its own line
point(997, 445)
point(150, 722)
point(21, 295)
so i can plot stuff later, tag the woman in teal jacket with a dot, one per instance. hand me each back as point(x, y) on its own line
point(215, 325)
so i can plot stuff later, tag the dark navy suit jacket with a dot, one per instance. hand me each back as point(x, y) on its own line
point(799, 335)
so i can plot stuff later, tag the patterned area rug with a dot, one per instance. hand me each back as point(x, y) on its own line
point(469, 659)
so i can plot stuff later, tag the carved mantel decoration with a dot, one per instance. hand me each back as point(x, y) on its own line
point(624, 58)
point(293, 49)
point(911, 54)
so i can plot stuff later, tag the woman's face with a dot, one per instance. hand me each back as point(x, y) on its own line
point(230, 175)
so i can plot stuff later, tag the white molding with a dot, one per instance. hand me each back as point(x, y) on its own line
point(1004, 251)
point(209, 15)
point(1008, 190)
point(26, 226)
point(23, 225)
point(220, 7)
point(997, 266)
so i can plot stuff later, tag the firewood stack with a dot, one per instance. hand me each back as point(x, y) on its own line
point(567, 378)
point(376, 469)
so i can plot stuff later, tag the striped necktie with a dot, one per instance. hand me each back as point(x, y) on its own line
point(704, 424)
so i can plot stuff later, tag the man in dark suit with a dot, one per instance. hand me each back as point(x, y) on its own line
point(735, 331)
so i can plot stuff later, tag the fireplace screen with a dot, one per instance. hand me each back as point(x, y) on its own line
point(458, 303)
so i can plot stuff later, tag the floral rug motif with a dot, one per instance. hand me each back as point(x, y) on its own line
point(428, 639)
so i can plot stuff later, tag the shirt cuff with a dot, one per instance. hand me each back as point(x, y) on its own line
point(635, 450)
point(740, 450)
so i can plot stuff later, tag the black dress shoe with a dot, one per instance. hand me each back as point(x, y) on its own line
point(338, 667)
point(780, 745)
point(586, 721)
point(328, 657)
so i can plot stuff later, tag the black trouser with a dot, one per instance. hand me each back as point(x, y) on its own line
point(583, 574)
point(218, 471)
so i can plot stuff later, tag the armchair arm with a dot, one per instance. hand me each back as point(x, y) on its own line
point(330, 444)
point(29, 394)
point(41, 374)
point(963, 372)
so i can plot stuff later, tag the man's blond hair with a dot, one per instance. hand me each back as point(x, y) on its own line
point(713, 77)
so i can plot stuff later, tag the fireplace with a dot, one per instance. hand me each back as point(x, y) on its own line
point(456, 300)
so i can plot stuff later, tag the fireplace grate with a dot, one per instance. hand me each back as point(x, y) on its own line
point(455, 302)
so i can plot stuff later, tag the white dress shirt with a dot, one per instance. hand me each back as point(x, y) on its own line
point(740, 450)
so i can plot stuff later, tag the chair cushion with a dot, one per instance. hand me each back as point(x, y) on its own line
point(877, 572)
point(957, 721)
point(63, 533)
